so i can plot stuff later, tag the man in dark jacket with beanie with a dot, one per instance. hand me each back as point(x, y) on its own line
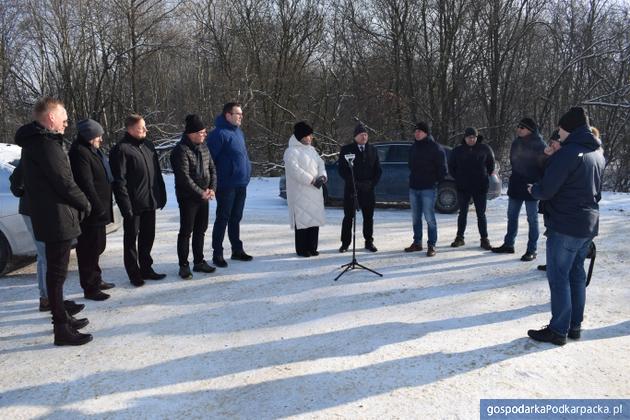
point(57, 206)
point(427, 166)
point(470, 164)
point(93, 175)
point(367, 173)
point(527, 159)
point(571, 188)
point(139, 189)
point(195, 185)
point(229, 152)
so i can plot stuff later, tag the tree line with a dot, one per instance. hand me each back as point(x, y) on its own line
point(386, 63)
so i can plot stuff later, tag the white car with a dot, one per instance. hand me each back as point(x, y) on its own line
point(15, 239)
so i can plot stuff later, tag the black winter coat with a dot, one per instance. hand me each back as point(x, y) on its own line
point(16, 181)
point(527, 158)
point(57, 205)
point(138, 184)
point(367, 167)
point(471, 166)
point(193, 168)
point(427, 164)
point(572, 185)
point(91, 176)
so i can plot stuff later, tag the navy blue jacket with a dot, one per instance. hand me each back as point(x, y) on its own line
point(229, 153)
point(427, 164)
point(527, 158)
point(572, 185)
point(471, 166)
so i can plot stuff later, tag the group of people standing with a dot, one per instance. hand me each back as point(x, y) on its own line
point(68, 197)
point(64, 197)
point(562, 181)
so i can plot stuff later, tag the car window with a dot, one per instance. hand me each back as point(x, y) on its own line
point(398, 153)
point(382, 152)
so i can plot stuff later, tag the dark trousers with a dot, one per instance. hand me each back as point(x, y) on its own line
point(230, 205)
point(480, 198)
point(306, 239)
point(366, 204)
point(57, 258)
point(141, 229)
point(193, 219)
point(90, 246)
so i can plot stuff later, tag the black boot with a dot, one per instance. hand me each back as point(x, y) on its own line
point(204, 267)
point(547, 336)
point(95, 295)
point(77, 324)
point(459, 241)
point(219, 261)
point(485, 244)
point(184, 272)
point(152, 275)
point(72, 307)
point(503, 249)
point(65, 335)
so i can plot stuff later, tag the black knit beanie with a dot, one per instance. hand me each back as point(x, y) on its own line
point(470, 131)
point(574, 118)
point(301, 130)
point(360, 128)
point(423, 126)
point(529, 124)
point(193, 124)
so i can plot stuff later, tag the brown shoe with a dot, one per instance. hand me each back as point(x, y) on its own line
point(414, 248)
point(430, 251)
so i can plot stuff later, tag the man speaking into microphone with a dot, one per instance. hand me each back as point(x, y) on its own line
point(367, 172)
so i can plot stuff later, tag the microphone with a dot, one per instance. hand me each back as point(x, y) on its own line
point(350, 158)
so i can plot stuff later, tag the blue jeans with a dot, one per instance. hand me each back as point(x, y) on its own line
point(567, 280)
point(423, 202)
point(41, 258)
point(230, 205)
point(514, 209)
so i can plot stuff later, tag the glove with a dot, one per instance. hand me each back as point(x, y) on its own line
point(319, 181)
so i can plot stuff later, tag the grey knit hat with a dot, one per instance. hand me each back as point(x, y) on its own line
point(89, 129)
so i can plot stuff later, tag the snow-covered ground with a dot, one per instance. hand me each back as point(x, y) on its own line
point(277, 337)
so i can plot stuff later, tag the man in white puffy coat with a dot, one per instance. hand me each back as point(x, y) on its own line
point(305, 173)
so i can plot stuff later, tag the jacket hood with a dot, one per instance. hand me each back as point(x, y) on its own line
point(294, 142)
point(582, 136)
point(221, 122)
point(29, 133)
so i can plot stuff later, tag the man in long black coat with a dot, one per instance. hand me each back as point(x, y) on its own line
point(470, 164)
point(367, 173)
point(93, 175)
point(195, 186)
point(57, 206)
point(139, 189)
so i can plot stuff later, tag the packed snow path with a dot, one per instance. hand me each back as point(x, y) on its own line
point(277, 337)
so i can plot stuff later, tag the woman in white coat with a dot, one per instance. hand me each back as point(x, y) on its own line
point(305, 173)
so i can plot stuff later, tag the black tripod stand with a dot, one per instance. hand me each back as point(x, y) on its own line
point(354, 263)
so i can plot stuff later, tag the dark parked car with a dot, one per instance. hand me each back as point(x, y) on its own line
point(393, 187)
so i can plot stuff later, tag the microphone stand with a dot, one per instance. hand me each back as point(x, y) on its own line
point(354, 264)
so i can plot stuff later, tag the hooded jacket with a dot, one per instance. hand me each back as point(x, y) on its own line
point(138, 184)
point(229, 152)
point(471, 165)
point(194, 170)
point(94, 179)
point(527, 158)
point(572, 185)
point(303, 164)
point(57, 205)
point(427, 164)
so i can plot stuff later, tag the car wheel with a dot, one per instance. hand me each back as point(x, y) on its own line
point(5, 254)
point(446, 201)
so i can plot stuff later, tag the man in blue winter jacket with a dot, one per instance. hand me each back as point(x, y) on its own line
point(527, 159)
point(571, 188)
point(229, 153)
